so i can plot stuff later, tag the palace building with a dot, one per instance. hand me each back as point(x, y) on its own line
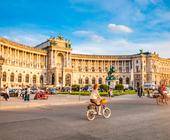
point(53, 63)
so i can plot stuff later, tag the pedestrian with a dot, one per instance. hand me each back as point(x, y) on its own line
point(6, 93)
point(139, 91)
point(25, 94)
point(28, 93)
point(110, 92)
point(148, 92)
point(19, 92)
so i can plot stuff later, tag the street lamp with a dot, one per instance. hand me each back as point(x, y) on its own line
point(1, 63)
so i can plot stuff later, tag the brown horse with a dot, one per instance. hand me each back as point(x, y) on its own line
point(162, 98)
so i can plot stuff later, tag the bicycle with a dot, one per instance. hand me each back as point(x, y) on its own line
point(92, 110)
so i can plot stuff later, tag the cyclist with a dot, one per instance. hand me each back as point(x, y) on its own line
point(96, 98)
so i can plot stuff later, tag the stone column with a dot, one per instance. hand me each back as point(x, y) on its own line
point(51, 58)
point(66, 59)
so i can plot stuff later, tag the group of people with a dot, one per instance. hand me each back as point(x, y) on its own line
point(159, 90)
point(23, 93)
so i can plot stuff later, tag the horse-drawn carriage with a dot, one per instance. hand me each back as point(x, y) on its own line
point(162, 98)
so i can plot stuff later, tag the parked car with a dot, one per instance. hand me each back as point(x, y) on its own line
point(87, 88)
point(33, 90)
point(52, 91)
point(13, 93)
point(41, 95)
point(150, 86)
point(66, 89)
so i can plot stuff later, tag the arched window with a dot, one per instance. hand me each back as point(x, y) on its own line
point(86, 80)
point(34, 79)
point(127, 80)
point(100, 80)
point(68, 80)
point(86, 69)
point(4, 77)
point(41, 79)
point(53, 79)
point(100, 69)
point(93, 80)
point(80, 81)
point(12, 77)
point(20, 77)
point(120, 80)
point(93, 70)
point(27, 78)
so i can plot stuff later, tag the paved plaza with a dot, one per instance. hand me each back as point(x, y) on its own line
point(132, 119)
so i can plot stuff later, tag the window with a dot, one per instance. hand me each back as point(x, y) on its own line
point(27, 78)
point(120, 69)
point(80, 81)
point(120, 80)
point(34, 79)
point(12, 77)
point(93, 80)
point(86, 69)
point(137, 68)
point(4, 77)
point(20, 78)
point(80, 69)
point(86, 80)
point(136, 61)
point(127, 69)
point(100, 80)
point(53, 79)
point(100, 69)
point(127, 80)
point(93, 70)
point(41, 79)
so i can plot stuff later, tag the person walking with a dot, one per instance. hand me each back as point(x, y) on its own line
point(110, 92)
point(6, 93)
point(25, 94)
point(139, 91)
point(28, 93)
point(19, 92)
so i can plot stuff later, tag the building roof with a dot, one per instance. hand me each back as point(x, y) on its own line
point(15, 44)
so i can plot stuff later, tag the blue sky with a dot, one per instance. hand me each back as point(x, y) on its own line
point(93, 26)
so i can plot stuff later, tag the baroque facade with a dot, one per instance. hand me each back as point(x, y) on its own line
point(53, 63)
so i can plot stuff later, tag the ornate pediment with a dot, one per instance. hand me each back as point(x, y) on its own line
point(59, 41)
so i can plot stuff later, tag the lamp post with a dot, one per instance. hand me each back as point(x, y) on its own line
point(1, 63)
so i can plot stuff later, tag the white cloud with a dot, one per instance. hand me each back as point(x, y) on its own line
point(89, 34)
point(24, 36)
point(120, 28)
point(121, 47)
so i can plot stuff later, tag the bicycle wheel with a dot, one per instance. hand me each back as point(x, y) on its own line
point(106, 112)
point(90, 114)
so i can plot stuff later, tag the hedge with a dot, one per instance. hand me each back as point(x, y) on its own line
point(86, 93)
